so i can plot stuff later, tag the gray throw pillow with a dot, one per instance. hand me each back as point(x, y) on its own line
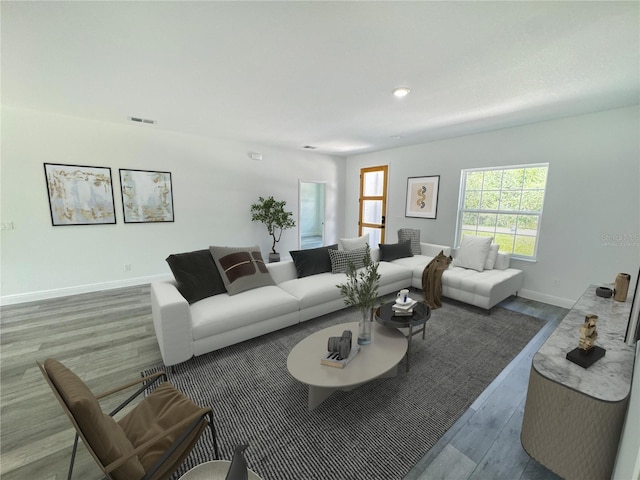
point(414, 236)
point(241, 269)
point(340, 259)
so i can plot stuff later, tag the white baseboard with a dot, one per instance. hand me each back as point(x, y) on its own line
point(65, 292)
point(544, 298)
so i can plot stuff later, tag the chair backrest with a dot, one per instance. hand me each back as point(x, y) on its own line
point(103, 437)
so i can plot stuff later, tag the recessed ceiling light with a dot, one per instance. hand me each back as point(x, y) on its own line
point(401, 91)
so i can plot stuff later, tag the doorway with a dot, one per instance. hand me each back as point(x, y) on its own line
point(373, 203)
point(311, 217)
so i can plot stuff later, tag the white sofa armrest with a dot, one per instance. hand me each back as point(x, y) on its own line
point(172, 323)
point(432, 249)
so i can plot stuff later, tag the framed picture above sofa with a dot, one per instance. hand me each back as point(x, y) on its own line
point(79, 194)
point(422, 196)
point(147, 196)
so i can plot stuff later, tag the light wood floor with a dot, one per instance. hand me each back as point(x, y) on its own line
point(107, 338)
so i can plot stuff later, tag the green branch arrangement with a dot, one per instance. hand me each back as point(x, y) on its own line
point(273, 215)
point(361, 288)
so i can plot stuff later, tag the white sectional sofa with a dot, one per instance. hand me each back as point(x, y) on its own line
point(184, 330)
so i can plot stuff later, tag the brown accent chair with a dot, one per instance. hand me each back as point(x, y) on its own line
point(148, 443)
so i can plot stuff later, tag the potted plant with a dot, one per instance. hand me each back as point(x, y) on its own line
point(273, 215)
point(361, 291)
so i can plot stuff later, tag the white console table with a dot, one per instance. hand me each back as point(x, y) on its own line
point(573, 416)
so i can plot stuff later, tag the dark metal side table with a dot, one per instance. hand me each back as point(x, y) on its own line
point(421, 314)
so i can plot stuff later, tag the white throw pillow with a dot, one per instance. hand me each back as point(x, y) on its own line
point(473, 252)
point(353, 243)
point(491, 258)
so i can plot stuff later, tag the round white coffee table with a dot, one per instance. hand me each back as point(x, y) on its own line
point(215, 470)
point(378, 359)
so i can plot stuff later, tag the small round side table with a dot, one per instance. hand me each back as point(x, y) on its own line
point(421, 314)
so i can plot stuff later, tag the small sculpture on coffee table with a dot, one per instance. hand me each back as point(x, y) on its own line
point(587, 352)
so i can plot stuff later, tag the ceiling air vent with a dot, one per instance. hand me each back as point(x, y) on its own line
point(309, 147)
point(142, 120)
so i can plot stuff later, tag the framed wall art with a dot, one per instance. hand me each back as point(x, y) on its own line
point(79, 195)
point(422, 196)
point(146, 196)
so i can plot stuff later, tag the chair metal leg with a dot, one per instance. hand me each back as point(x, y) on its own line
point(213, 435)
point(73, 457)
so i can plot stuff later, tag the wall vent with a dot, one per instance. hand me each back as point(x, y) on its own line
point(142, 120)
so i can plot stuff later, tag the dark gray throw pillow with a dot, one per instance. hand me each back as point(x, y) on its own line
point(312, 261)
point(393, 251)
point(196, 275)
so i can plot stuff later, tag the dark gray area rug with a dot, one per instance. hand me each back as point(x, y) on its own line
point(377, 431)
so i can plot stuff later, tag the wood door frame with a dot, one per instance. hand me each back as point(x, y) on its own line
point(362, 198)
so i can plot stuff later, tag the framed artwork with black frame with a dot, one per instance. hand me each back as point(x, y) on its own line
point(422, 196)
point(80, 194)
point(147, 196)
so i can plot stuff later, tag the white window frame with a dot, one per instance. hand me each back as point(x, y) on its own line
point(499, 211)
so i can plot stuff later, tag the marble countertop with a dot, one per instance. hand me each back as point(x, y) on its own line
point(608, 379)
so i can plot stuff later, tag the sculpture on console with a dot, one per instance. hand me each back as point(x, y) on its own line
point(588, 333)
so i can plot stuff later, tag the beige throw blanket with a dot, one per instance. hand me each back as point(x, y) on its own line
point(432, 279)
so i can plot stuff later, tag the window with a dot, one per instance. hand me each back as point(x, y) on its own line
point(503, 203)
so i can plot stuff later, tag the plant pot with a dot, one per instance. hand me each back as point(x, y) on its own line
point(274, 257)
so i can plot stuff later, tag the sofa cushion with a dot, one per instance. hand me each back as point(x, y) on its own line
point(354, 243)
point(394, 251)
point(196, 275)
point(473, 252)
point(340, 259)
point(241, 269)
point(103, 433)
point(316, 289)
point(491, 257)
point(413, 235)
point(224, 313)
point(312, 261)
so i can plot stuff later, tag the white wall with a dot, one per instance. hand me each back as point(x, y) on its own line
point(591, 223)
point(214, 183)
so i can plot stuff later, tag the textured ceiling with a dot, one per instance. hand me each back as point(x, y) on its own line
point(319, 73)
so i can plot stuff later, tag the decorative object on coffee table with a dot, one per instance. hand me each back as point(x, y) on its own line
point(238, 469)
point(340, 351)
point(272, 213)
point(361, 291)
point(587, 352)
